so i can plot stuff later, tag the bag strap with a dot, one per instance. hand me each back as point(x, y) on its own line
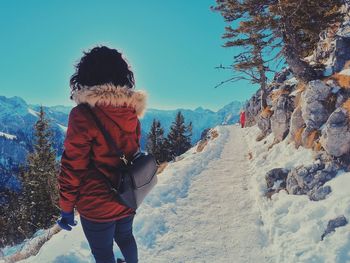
point(106, 135)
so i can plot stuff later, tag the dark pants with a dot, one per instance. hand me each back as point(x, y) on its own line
point(100, 237)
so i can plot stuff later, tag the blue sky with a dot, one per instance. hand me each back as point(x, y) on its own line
point(172, 46)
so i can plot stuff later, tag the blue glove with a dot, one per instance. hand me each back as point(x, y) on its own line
point(67, 220)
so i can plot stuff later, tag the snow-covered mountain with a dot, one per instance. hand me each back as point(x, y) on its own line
point(17, 119)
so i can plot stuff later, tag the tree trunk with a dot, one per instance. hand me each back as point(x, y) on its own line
point(263, 92)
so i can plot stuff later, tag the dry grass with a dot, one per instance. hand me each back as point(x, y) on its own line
point(298, 137)
point(161, 167)
point(260, 137)
point(278, 93)
point(317, 146)
point(201, 146)
point(266, 112)
point(342, 80)
point(214, 134)
point(346, 106)
point(311, 138)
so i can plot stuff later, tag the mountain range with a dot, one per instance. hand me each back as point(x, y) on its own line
point(17, 119)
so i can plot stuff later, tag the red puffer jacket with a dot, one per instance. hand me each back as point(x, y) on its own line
point(87, 155)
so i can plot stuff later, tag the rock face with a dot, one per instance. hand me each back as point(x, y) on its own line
point(319, 193)
point(280, 120)
point(252, 109)
point(264, 125)
point(276, 175)
point(275, 180)
point(336, 135)
point(310, 180)
point(333, 224)
point(296, 122)
point(313, 110)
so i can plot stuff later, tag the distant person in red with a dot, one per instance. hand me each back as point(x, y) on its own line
point(242, 119)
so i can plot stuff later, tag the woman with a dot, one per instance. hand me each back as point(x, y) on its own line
point(104, 82)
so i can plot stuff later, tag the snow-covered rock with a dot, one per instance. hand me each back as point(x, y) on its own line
point(336, 135)
point(333, 224)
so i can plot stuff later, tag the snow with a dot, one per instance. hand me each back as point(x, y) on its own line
point(8, 136)
point(294, 224)
point(33, 112)
point(292, 81)
point(211, 207)
point(200, 211)
point(345, 72)
point(63, 128)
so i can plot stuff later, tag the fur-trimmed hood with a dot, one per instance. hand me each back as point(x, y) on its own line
point(111, 95)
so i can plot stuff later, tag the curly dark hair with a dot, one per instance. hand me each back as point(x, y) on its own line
point(102, 65)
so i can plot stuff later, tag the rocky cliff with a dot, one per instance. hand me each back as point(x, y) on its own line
point(313, 115)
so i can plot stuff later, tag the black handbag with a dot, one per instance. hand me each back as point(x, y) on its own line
point(136, 177)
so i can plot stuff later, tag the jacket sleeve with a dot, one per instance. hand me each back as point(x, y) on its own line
point(138, 133)
point(75, 159)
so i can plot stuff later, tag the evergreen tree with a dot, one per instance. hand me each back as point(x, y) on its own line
point(39, 178)
point(179, 138)
point(300, 24)
point(252, 36)
point(14, 227)
point(291, 26)
point(155, 142)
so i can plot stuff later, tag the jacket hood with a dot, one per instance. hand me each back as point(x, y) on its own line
point(110, 96)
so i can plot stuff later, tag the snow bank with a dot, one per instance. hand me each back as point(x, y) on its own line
point(33, 112)
point(294, 224)
point(8, 136)
point(151, 221)
point(173, 184)
point(63, 128)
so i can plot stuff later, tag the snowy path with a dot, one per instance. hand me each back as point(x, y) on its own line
point(216, 222)
point(201, 211)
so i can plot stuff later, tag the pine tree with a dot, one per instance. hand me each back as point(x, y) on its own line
point(14, 226)
point(291, 26)
point(299, 26)
point(252, 35)
point(39, 178)
point(155, 142)
point(179, 138)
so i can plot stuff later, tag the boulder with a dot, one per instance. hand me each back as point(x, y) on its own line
point(264, 124)
point(296, 122)
point(335, 137)
point(333, 224)
point(310, 179)
point(252, 110)
point(318, 194)
point(280, 119)
point(276, 176)
point(292, 186)
point(313, 98)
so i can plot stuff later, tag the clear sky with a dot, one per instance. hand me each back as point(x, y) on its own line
point(172, 46)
